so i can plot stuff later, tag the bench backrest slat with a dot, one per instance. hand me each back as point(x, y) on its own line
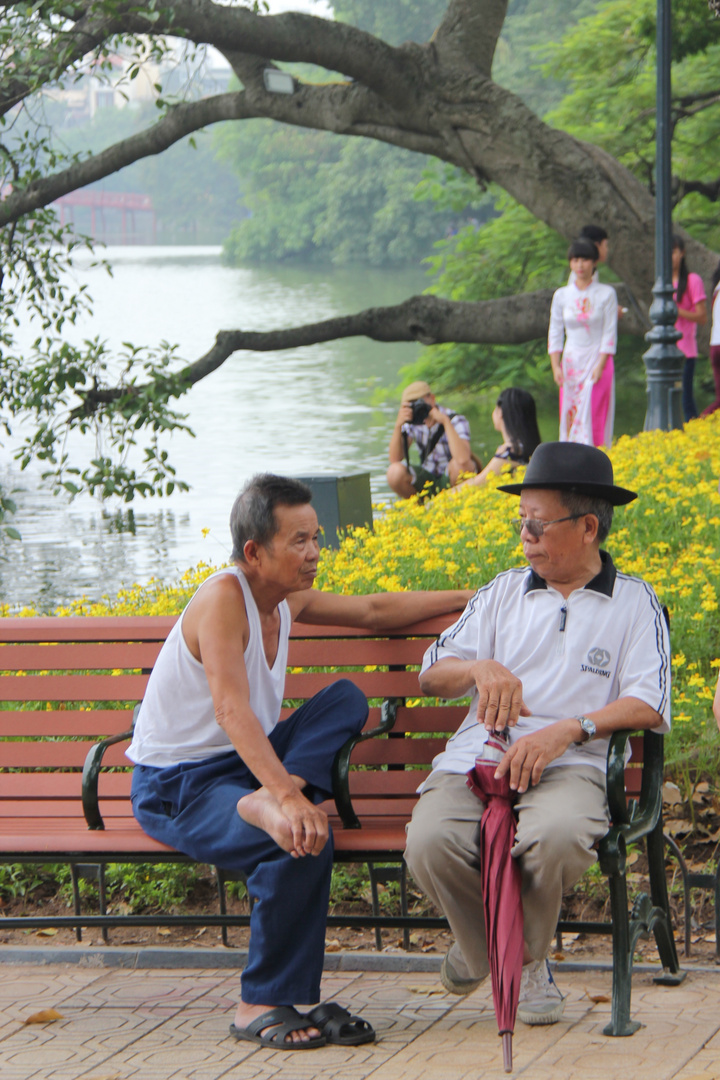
point(73, 687)
point(79, 655)
point(46, 723)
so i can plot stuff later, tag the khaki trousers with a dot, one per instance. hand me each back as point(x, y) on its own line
point(559, 821)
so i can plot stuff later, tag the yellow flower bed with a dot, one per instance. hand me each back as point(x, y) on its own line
point(670, 536)
point(461, 539)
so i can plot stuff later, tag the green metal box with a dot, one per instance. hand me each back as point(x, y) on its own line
point(340, 501)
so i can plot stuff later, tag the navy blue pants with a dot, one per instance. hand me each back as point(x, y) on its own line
point(193, 808)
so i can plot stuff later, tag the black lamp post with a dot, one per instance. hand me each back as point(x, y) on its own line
point(663, 360)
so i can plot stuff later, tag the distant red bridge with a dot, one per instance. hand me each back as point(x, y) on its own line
point(98, 202)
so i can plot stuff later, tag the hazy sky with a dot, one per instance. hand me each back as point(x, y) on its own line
point(315, 7)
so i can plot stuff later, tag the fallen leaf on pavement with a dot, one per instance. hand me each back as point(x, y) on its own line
point(45, 1016)
point(597, 999)
point(47, 931)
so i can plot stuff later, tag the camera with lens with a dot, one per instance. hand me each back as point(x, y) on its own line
point(420, 410)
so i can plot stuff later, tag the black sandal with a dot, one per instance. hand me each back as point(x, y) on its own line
point(283, 1021)
point(339, 1026)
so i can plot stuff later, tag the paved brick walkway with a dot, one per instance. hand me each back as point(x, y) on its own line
point(173, 1025)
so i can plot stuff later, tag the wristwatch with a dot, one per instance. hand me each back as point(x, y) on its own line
point(589, 730)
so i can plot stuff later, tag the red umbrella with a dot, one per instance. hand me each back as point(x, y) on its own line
point(501, 884)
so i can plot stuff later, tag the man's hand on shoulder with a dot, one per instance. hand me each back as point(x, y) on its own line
point(527, 759)
point(500, 700)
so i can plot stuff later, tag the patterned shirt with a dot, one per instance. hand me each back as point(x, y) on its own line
point(438, 460)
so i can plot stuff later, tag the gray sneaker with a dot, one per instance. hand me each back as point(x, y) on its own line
point(540, 1000)
point(452, 981)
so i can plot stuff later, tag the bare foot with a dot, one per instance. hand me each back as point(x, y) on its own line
point(262, 810)
point(247, 1013)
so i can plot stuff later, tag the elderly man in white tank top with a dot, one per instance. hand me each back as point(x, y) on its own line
point(217, 777)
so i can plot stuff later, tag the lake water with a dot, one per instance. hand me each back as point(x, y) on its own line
point(326, 409)
point(303, 411)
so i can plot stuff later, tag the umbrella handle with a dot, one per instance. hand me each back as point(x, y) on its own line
point(507, 1051)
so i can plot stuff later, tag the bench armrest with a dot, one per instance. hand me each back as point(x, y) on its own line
point(91, 775)
point(341, 764)
point(629, 825)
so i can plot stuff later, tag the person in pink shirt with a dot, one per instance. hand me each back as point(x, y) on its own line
point(689, 295)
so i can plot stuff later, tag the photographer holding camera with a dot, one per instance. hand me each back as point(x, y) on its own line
point(442, 438)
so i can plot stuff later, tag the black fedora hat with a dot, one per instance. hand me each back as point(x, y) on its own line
point(569, 466)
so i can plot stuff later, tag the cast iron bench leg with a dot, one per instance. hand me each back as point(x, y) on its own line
point(620, 1023)
point(660, 922)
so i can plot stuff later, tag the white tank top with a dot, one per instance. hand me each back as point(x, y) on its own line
point(177, 718)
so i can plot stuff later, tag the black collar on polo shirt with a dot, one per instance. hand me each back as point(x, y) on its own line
point(604, 582)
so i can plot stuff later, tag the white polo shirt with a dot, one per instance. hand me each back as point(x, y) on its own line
point(606, 641)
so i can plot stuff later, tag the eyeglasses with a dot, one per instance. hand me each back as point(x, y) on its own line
point(536, 527)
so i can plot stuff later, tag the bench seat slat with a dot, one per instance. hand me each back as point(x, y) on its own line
point(73, 841)
point(68, 838)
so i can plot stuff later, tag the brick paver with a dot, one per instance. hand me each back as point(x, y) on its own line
point(121, 1024)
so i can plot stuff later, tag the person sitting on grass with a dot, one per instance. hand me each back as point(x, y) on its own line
point(515, 417)
point(218, 777)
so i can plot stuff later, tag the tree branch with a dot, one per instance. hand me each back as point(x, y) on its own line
point(344, 108)
point(710, 96)
point(709, 188)
point(335, 46)
point(430, 320)
point(181, 120)
point(469, 32)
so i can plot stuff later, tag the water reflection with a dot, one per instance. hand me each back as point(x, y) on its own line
point(304, 411)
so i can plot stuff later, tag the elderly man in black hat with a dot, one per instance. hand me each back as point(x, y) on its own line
point(560, 654)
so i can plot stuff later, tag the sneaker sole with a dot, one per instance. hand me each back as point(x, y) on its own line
point(461, 989)
point(533, 1019)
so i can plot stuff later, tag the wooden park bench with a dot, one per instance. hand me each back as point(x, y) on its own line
point(67, 694)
